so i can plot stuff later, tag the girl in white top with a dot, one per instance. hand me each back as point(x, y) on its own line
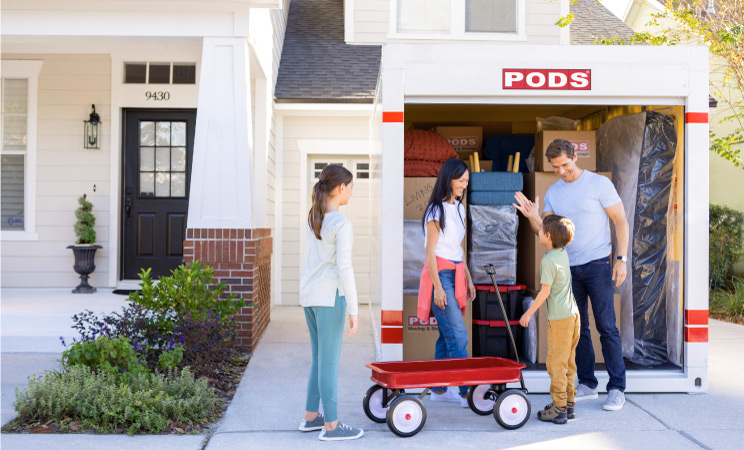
point(327, 289)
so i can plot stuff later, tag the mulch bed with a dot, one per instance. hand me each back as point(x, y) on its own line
point(726, 317)
point(223, 379)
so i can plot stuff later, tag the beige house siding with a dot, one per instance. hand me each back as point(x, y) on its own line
point(372, 22)
point(68, 85)
point(294, 213)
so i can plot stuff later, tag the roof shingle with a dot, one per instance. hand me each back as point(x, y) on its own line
point(592, 20)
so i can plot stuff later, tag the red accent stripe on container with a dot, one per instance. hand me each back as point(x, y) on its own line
point(502, 288)
point(392, 116)
point(494, 323)
point(392, 318)
point(696, 117)
point(696, 334)
point(392, 335)
point(696, 317)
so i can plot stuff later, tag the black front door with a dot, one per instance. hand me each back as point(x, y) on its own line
point(157, 171)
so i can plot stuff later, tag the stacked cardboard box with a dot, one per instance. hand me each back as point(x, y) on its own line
point(584, 142)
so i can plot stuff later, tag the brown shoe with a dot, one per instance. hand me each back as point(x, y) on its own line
point(553, 414)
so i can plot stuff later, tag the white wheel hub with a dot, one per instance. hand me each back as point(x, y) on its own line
point(407, 416)
point(375, 405)
point(481, 403)
point(513, 409)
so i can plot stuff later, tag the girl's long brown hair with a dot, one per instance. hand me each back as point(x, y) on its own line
point(331, 176)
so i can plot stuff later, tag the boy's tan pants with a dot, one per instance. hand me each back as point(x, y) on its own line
point(563, 336)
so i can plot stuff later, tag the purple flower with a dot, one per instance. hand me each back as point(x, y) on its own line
point(63, 341)
point(182, 338)
point(139, 361)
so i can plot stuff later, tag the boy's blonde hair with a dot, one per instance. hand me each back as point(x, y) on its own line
point(560, 229)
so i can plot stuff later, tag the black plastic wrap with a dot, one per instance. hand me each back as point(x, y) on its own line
point(414, 255)
point(493, 227)
point(650, 239)
point(529, 337)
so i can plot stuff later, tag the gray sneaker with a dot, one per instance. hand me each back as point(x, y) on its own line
point(313, 425)
point(584, 392)
point(342, 432)
point(615, 400)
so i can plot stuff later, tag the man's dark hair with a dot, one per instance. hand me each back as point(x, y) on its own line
point(559, 147)
point(560, 229)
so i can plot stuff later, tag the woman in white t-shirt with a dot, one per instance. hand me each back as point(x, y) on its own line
point(446, 285)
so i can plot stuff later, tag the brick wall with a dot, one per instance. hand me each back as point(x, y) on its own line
point(242, 260)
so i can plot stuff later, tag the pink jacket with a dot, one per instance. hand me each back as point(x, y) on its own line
point(426, 287)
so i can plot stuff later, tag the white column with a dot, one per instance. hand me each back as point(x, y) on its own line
point(221, 194)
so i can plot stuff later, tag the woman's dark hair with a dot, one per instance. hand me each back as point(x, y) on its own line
point(452, 169)
point(331, 176)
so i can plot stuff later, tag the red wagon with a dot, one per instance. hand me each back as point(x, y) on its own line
point(405, 414)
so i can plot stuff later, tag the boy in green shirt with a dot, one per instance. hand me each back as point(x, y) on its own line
point(563, 318)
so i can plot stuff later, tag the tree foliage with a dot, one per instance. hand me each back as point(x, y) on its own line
point(719, 25)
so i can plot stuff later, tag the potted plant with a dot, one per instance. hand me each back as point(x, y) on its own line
point(85, 247)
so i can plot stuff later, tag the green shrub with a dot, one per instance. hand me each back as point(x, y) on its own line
point(726, 244)
point(117, 357)
point(84, 230)
point(189, 289)
point(729, 302)
point(147, 403)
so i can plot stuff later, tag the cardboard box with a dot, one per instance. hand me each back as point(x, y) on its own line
point(486, 165)
point(529, 249)
point(585, 145)
point(419, 338)
point(542, 331)
point(464, 139)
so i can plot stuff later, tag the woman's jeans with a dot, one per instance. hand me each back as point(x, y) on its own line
point(326, 326)
point(593, 282)
point(453, 337)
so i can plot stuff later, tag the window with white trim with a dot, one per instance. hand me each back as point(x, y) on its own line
point(458, 19)
point(18, 89)
point(318, 167)
point(362, 170)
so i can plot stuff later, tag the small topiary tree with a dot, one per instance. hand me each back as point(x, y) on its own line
point(85, 222)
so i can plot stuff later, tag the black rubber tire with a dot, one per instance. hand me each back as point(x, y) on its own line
point(370, 396)
point(406, 408)
point(471, 399)
point(512, 409)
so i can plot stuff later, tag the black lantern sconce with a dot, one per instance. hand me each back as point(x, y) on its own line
point(92, 129)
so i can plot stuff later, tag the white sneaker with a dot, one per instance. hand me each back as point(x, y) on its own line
point(464, 402)
point(615, 400)
point(584, 392)
point(448, 396)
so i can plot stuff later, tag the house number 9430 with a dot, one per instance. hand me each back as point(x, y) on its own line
point(157, 96)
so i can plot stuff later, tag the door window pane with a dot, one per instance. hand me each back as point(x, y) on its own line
point(178, 133)
point(491, 15)
point(162, 159)
point(163, 133)
point(12, 192)
point(147, 184)
point(162, 184)
point(15, 97)
point(178, 159)
point(147, 159)
point(14, 132)
point(424, 15)
point(159, 73)
point(178, 185)
point(147, 133)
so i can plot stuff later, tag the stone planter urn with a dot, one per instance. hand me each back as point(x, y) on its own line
point(84, 265)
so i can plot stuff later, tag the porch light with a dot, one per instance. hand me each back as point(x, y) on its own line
point(92, 126)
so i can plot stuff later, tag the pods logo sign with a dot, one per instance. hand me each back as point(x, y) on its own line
point(414, 321)
point(547, 79)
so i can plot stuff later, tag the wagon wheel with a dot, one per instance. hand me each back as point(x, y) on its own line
point(481, 399)
point(373, 404)
point(406, 416)
point(512, 409)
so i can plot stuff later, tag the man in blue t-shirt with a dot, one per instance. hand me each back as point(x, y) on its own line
point(590, 201)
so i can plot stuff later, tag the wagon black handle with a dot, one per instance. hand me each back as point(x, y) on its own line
point(491, 271)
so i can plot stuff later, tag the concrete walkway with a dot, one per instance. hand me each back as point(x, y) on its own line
point(268, 405)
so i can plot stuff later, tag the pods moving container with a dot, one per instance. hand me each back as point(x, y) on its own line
point(662, 92)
